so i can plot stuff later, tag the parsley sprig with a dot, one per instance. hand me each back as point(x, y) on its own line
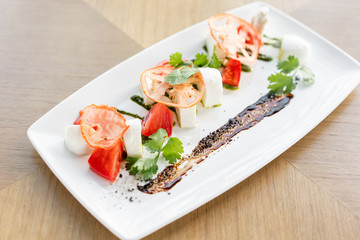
point(202, 60)
point(291, 73)
point(177, 61)
point(146, 166)
point(180, 75)
point(184, 70)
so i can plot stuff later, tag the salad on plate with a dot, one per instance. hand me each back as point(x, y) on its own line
point(173, 90)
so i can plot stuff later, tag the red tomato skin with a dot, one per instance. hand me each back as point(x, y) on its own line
point(232, 73)
point(159, 116)
point(77, 121)
point(166, 63)
point(106, 162)
point(163, 63)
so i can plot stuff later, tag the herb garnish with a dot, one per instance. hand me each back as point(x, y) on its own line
point(281, 84)
point(146, 166)
point(177, 61)
point(180, 75)
point(201, 60)
point(184, 70)
point(291, 73)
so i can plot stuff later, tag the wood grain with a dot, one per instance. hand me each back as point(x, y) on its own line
point(158, 19)
point(330, 154)
point(278, 202)
point(44, 57)
point(39, 207)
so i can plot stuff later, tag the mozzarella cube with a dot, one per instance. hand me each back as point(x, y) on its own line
point(260, 19)
point(187, 117)
point(210, 43)
point(213, 87)
point(132, 138)
point(74, 141)
point(147, 100)
point(292, 45)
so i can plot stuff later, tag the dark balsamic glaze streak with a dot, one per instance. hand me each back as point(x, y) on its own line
point(249, 117)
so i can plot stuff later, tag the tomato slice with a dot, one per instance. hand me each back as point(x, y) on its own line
point(166, 63)
point(159, 116)
point(232, 72)
point(106, 162)
point(236, 37)
point(102, 126)
point(182, 95)
point(163, 63)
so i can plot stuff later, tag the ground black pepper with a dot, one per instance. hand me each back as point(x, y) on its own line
point(249, 117)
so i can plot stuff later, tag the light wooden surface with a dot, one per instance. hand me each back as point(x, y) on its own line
point(49, 49)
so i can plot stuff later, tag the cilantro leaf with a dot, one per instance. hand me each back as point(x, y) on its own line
point(289, 65)
point(291, 73)
point(156, 140)
point(177, 61)
point(215, 62)
point(281, 83)
point(172, 150)
point(129, 165)
point(146, 166)
point(201, 60)
point(147, 162)
point(180, 75)
point(148, 174)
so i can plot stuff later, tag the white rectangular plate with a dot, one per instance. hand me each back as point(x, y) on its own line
point(337, 74)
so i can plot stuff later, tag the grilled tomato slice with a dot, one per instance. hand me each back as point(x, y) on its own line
point(236, 37)
point(102, 126)
point(183, 95)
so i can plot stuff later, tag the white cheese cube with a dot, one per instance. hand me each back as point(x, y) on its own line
point(187, 117)
point(260, 19)
point(132, 138)
point(210, 43)
point(147, 100)
point(74, 141)
point(213, 87)
point(295, 46)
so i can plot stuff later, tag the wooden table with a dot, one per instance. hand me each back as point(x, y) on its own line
point(49, 49)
